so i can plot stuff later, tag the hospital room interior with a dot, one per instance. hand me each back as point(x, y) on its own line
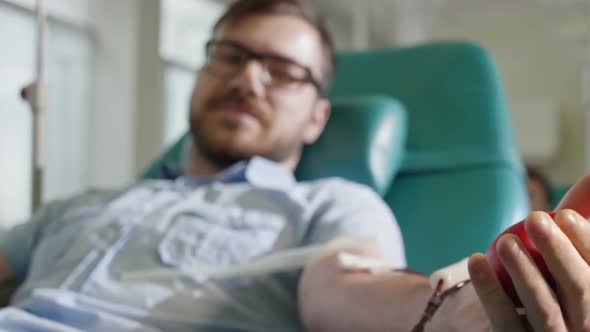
point(462, 115)
point(120, 73)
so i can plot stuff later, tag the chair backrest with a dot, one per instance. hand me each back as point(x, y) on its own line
point(462, 180)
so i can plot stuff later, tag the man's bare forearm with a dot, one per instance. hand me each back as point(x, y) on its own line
point(363, 302)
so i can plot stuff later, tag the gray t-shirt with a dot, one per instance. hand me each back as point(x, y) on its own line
point(72, 254)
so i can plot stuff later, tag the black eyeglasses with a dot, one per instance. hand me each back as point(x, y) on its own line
point(227, 58)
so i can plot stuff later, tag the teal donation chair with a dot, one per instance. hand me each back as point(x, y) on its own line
point(429, 129)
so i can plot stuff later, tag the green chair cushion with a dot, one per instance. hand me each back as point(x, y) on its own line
point(363, 142)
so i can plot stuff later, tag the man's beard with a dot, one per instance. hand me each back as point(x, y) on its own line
point(217, 155)
point(223, 155)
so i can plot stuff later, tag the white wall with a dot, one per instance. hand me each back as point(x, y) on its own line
point(76, 12)
point(112, 143)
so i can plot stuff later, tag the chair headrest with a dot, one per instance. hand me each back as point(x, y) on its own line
point(363, 142)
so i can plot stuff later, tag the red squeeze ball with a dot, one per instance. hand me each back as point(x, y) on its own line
point(492, 255)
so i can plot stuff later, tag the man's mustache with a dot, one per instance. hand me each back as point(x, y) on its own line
point(250, 105)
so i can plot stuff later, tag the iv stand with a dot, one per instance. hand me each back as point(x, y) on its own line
point(35, 94)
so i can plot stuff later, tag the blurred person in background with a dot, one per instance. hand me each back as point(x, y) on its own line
point(539, 189)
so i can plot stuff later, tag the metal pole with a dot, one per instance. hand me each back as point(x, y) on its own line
point(38, 105)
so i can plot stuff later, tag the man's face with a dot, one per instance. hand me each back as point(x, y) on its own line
point(241, 116)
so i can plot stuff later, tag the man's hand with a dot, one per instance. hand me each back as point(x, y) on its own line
point(565, 248)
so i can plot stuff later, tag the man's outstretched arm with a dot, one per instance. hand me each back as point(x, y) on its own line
point(331, 299)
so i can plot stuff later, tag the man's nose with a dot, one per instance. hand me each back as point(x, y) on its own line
point(252, 79)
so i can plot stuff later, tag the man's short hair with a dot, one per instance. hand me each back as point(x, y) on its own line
point(243, 8)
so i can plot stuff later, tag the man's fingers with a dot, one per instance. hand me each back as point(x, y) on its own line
point(542, 308)
point(563, 249)
point(496, 303)
point(577, 229)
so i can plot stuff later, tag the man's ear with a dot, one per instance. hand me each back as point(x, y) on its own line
point(317, 121)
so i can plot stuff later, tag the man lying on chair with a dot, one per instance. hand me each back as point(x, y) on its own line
point(258, 100)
